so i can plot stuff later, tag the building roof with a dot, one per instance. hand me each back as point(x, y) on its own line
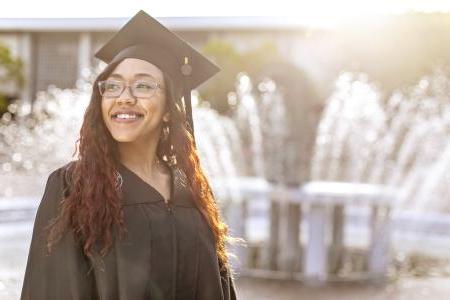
point(175, 23)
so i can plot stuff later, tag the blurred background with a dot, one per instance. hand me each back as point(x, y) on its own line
point(326, 136)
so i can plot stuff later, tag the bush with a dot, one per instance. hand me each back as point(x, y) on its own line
point(11, 70)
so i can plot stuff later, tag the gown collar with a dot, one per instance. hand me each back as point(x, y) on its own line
point(137, 191)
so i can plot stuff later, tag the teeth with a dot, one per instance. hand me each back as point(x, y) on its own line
point(126, 116)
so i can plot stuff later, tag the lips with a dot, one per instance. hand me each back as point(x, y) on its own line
point(126, 116)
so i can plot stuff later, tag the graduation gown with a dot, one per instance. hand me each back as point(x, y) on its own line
point(167, 253)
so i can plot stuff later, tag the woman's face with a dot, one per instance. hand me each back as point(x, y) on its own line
point(130, 118)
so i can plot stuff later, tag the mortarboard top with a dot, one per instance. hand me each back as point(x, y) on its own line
point(145, 38)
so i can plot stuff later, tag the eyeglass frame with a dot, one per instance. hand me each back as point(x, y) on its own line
point(128, 86)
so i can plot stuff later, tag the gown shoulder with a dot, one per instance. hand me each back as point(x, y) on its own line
point(64, 273)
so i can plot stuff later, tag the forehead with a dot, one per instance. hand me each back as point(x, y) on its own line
point(133, 67)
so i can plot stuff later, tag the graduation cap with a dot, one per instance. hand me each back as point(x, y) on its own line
point(145, 38)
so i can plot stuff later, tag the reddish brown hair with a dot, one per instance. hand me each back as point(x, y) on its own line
point(92, 207)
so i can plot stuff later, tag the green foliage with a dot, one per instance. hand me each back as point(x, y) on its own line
point(3, 104)
point(233, 62)
point(397, 50)
point(11, 70)
point(11, 67)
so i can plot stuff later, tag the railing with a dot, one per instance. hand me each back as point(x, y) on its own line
point(315, 253)
point(306, 236)
point(15, 209)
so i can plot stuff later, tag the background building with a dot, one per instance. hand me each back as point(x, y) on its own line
point(57, 50)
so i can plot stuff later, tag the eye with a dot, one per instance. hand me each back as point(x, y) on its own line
point(145, 86)
point(111, 86)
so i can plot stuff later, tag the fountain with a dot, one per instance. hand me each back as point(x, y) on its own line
point(365, 140)
point(401, 142)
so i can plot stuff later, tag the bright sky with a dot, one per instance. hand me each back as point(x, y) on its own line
point(317, 11)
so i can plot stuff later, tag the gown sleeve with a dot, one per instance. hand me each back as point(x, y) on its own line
point(229, 291)
point(64, 273)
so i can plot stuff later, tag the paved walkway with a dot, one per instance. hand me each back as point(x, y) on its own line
point(404, 289)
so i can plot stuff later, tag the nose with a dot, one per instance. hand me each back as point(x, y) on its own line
point(126, 96)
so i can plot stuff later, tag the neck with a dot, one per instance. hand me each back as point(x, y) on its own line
point(140, 156)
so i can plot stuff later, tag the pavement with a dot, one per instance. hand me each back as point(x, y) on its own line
point(403, 289)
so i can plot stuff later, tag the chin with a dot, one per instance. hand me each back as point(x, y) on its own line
point(123, 138)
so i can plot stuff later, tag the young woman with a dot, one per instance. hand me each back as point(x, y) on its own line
point(134, 216)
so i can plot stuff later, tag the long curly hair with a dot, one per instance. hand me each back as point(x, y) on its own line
point(92, 208)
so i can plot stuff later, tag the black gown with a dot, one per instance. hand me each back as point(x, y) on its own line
point(167, 253)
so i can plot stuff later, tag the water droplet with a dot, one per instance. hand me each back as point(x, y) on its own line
point(17, 157)
point(6, 167)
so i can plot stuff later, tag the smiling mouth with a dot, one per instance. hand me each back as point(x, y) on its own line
point(126, 117)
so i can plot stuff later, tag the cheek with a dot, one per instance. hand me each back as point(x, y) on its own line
point(155, 108)
point(105, 109)
point(163, 105)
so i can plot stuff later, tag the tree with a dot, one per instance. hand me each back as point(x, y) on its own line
point(11, 70)
point(232, 63)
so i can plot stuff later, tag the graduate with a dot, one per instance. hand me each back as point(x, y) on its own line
point(134, 216)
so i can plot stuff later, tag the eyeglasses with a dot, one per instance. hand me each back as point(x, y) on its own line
point(139, 88)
